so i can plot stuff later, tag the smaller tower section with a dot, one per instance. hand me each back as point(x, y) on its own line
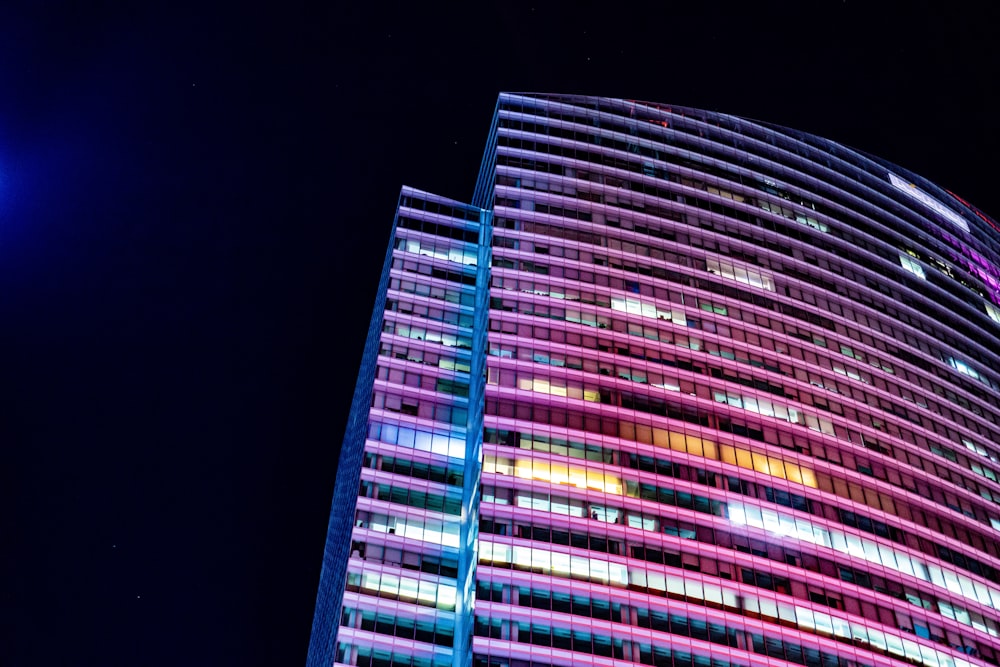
point(407, 515)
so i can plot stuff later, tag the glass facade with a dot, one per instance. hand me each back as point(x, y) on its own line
point(678, 389)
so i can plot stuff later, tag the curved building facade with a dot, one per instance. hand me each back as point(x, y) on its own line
point(677, 389)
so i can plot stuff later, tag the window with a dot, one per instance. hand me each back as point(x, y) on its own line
point(740, 274)
point(963, 368)
point(913, 191)
point(912, 266)
point(993, 312)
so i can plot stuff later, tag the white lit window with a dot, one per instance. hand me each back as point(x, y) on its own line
point(993, 312)
point(740, 274)
point(912, 266)
point(811, 222)
point(861, 547)
point(977, 448)
point(963, 368)
point(913, 191)
point(634, 306)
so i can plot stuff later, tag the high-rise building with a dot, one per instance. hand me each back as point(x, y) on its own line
point(676, 389)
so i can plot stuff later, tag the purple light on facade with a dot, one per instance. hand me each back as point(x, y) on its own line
point(678, 388)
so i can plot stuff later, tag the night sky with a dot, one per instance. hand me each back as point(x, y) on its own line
point(194, 204)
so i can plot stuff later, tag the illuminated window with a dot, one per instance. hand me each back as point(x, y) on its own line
point(554, 473)
point(427, 593)
point(553, 562)
point(977, 448)
point(634, 306)
point(993, 312)
point(912, 266)
point(914, 192)
point(784, 525)
point(791, 214)
point(963, 368)
point(740, 274)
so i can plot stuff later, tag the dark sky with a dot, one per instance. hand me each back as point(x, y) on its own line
point(194, 204)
